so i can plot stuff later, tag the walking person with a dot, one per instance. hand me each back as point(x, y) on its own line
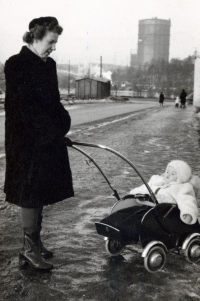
point(37, 165)
point(177, 102)
point(161, 98)
point(183, 99)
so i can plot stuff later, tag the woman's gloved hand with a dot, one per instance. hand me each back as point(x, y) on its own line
point(68, 141)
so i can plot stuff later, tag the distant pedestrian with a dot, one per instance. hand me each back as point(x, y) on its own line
point(183, 98)
point(161, 98)
point(177, 102)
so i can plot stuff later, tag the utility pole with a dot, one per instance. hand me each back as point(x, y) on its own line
point(100, 66)
point(69, 79)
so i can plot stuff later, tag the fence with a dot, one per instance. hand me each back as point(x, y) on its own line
point(129, 93)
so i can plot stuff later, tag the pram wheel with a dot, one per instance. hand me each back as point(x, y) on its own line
point(192, 252)
point(114, 247)
point(155, 259)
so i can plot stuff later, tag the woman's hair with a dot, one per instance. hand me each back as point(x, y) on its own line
point(39, 31)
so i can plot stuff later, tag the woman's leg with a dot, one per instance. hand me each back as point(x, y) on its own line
point(29, 218)
point(43, 250)
point(31, 253)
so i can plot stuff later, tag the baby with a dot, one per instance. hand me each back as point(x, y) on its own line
point(175, 187)
point(177, 102)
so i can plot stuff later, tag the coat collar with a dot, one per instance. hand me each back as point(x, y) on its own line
point(25, 51)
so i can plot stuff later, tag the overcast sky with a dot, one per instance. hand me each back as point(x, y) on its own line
point(94, 28)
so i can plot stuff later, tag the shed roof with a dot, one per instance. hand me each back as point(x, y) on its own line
point(98, 79)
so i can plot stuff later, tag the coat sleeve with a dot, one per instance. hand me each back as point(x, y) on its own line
point(143, 189)
point(22, 105)
point(63, 118)
point(187, 203)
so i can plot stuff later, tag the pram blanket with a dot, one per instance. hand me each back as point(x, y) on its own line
point(146, 223)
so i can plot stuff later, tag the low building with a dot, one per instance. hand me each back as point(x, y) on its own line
point(92, 88)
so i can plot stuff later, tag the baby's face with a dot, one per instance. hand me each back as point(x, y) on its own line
point(170, 175)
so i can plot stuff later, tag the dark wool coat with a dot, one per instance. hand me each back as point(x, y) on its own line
point(37, 165)
point(161, 98)
point(183, 97)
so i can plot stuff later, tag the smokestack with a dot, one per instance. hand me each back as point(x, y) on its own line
point(69, 79)
point(100, 66)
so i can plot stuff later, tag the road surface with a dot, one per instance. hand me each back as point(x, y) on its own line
point(87, 113)
point(83, 271)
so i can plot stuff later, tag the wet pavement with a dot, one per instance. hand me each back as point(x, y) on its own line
point(82, 268)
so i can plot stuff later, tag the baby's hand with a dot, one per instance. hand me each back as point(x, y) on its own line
point(187, 218)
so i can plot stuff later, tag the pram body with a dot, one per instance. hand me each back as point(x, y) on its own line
point(139, 219)
point(158, 229)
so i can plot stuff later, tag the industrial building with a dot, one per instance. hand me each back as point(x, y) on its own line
point(133, 58)
point(92, 88)
point(153, 40)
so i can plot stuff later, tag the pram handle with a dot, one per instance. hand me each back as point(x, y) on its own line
point(115, 193)
point(73, 143)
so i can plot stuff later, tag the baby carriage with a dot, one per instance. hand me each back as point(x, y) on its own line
point(140, 220)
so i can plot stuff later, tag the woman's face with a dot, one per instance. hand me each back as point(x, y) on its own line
point(170, 175)
point(45, 46)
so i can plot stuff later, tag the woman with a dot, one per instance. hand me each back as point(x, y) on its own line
point(183, 99)
point(37, 165)
point(161, 98)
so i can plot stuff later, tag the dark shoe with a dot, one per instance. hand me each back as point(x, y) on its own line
point(31, 254)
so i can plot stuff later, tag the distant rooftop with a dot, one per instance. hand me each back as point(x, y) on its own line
point(98, 79)
point(155, 20)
